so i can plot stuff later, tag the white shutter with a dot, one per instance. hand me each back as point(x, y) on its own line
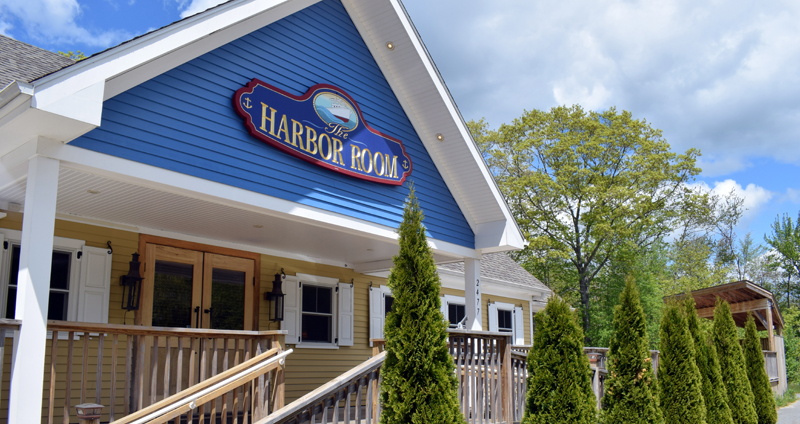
point(444, 307)
point(519, 328)
point(376, 313)
point(492, 311)
point(291, 310)
point(94, 288)
point(345, 328)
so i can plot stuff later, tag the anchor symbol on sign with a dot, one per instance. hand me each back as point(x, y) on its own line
point(405, 164)
point(246, 103)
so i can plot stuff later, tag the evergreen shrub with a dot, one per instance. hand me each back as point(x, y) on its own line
point(757, 374)
point(631, 396)
point(419, 383)
point(732, 366)
point(714, 394)
point(679, 379)
point(559, 375)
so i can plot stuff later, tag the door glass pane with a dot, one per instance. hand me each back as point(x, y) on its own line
point(172, 295)
point(227, 299)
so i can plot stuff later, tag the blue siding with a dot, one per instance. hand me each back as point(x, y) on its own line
point(183, 121)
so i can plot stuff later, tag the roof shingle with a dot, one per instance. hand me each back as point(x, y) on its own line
point(23, 62)
point(500, 266)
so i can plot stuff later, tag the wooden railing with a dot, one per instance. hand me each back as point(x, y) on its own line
point(248, 377)
point(519, 366)
point(771, 365)
point(351, 396)
point(128, 368)
point(7, 328)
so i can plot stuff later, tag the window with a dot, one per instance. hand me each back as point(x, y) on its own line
point(455, 314)
point(79, 279)
point(388, 302)
point(317, 315)
point(507, 318)
point(381, 303)
point(318, 312)
point(505, 321)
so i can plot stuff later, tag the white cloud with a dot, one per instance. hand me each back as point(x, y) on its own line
point(754, 196)
point(197, 6)
point(792, 195)
point(5, 27)
point(55, 22)
point(723, 76)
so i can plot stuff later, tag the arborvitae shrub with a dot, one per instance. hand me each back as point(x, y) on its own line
point(419, 384)
point(559, 375)
point(714, 394)
point(757, 374)
point(732, 366)
point(630, 393)
point(679, 378)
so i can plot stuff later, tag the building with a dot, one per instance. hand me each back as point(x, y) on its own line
point(259, 141)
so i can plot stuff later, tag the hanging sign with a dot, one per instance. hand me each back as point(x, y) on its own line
point(325, 127)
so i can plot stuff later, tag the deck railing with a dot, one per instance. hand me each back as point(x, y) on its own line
point(128, 368)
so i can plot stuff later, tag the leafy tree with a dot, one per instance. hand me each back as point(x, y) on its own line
point(559, 376)
point(747, 257)
point(630, 394)
point(678, 376)
point(583, 184)
point(791, 343)
point(732, 366)
point(419, 383)
point(759, 381)
point(785, 240)
point(76, 56)
point(715, 395)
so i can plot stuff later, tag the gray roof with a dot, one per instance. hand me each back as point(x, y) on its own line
point(500, 266)
point(23, 62)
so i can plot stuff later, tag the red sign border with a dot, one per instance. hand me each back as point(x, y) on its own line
point(250, 87)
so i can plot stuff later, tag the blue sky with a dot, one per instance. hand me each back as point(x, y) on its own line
point(723, 77)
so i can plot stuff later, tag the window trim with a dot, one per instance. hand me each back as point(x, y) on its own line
point(72, 246)
point(316, 280)
point(448, 299)
point(502, 306)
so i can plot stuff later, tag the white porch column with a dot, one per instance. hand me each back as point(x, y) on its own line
point(472, 294)
point(33, 290)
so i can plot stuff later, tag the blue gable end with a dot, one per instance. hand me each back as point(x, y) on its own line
point(183, 120)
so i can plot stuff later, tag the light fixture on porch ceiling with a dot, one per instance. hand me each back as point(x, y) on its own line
point(390, 45)
point(275, 298)
point(131, 285)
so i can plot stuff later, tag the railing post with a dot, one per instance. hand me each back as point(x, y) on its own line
point(506, 376)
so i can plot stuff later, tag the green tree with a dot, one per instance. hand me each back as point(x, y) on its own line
point(583, 184)
point(419, 383)
point(785, 240)
point(747, 257)
point(791, 340)
point(76, 56)
point(757, 374)
point(631, 396)
point(732, 366)
point(714, 394)
point(678, 376)
point(559, 376)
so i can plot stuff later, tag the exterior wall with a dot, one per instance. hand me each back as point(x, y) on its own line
point(183, 121)
point(124, 244)
point(485, 299)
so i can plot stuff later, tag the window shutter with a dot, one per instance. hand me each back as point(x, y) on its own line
point(376, 313)
point(345, 328)
point(94, 288)
point(444, 307)
point(492, 311)
point(519, 327)
point(291, 310)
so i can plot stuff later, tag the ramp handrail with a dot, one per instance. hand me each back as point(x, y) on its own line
point(325, 400)
point(212, 388)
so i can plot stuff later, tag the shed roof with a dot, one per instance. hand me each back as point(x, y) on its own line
point(23, 62)
point(744, 297)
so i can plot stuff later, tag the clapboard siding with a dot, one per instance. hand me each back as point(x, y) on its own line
point(183, 121)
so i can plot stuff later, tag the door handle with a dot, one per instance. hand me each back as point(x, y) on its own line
point(208, 311)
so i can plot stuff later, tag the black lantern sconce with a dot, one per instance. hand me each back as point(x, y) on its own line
point(275, 298)
point(131, 285)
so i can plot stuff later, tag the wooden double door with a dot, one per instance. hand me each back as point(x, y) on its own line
point(196, 289)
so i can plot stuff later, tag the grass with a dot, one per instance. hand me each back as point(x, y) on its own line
point(788, 397)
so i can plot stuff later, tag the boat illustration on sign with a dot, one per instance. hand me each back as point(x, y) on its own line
point(334, 109)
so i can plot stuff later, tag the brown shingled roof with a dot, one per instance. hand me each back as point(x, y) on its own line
point(500, 266)
point(23, 62)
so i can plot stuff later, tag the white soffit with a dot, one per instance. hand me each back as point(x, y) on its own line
point(422, 93)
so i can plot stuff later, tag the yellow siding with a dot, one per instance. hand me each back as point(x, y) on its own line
point(485, 299)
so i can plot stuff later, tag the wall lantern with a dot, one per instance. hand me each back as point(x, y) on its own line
point(275, 298)
point(89, 412)
point(131, 286)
